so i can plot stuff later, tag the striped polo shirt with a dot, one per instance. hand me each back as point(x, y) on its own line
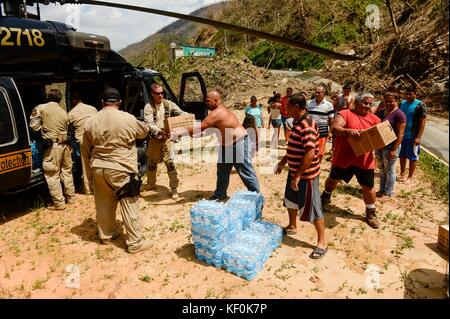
point(321, 113)
point(303, 135)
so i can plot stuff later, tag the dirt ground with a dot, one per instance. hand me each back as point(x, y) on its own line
point(399, 260)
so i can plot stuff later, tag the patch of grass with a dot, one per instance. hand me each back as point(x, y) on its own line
point(407, 242)
point(146, 278)
point(175, 226)
point(166, 280)
point(210, 293)
point(361, 291)
point(103, 253)
point(38, 284)
point(437, 173)
point(280, 273)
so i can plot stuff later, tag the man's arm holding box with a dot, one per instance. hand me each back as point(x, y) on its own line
point(175, 110)
point(338, 127)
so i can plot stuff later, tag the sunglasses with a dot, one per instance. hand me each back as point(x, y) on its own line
point(158, 93)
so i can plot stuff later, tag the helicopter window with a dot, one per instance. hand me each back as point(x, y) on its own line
point(192, 90)
point(134, 98)
point(156, 79)
point(7, 127)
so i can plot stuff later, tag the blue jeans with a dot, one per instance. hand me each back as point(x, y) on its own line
point(236, 155)
point(387, 170)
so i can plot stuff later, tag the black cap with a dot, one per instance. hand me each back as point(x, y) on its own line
point(110, 95)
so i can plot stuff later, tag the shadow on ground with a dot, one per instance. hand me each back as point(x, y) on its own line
point(331, 212)
point(163, 193)
point(424, 283)
point(87, 231)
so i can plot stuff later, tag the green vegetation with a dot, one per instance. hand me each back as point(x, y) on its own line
point(437, 172)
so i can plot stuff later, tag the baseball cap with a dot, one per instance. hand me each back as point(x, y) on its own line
point(111, 95)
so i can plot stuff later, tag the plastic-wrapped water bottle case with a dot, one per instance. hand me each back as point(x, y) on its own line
point(232, 235)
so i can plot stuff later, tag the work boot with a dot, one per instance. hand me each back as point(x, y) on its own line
point(70, 200)
point(325, 198)
point(174, 193)
point(146, 244)
point(53, 207)
point(371, 218)
point(148, 187)
point(109, 240)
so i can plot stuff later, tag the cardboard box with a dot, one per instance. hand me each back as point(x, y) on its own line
point(182, 121)
point(374, 138)
point(443, 238)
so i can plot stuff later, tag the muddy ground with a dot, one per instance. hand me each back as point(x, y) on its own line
point(399, 260)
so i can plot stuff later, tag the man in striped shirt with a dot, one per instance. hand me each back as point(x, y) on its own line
point(302, 186)
point(322, 111)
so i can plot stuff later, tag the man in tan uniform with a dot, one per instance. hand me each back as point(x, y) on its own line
point(78, 117)
point(159, 147)
point(51, 119)
point(110, 154)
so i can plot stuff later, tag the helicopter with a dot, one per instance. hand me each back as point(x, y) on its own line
point(35, 54)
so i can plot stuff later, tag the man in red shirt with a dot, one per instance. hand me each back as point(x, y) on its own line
point(302, 186)
point(284, 112)
point(345, 163)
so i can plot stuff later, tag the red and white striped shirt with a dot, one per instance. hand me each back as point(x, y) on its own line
point(304, 135)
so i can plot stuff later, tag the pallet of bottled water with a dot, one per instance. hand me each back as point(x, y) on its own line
point(252, 247)
point(232, 236)
point(254, 197)
point(247, 209)
point(210, 230)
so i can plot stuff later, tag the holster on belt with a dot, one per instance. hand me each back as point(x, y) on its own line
point(132, 188)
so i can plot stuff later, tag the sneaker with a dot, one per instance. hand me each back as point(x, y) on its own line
point(325, 198)
point(174, 194)
point(109, 240)
point(371, 218)
point(146, 244)
point(214, 198)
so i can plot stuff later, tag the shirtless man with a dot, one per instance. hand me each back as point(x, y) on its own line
point(234, 146)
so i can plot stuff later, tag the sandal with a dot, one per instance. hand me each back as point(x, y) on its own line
point(318, 253)
point(288, 231)
point(401, 178)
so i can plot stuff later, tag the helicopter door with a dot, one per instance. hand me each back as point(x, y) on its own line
point(193, 95)
point(15, 150)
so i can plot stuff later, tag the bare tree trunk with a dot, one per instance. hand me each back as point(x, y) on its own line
point(391, 13)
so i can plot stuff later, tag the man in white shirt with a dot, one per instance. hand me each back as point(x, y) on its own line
point(322, 111)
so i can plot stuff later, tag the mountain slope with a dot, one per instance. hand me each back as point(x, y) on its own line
point(180, 31)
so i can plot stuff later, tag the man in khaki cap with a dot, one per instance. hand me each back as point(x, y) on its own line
point(110, 155)
point(159, 147)
point(78, 117)
point(51, 119)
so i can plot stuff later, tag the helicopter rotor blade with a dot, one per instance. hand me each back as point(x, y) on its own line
point(297, 44)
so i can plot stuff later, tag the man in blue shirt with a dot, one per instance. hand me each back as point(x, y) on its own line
point(416, 112)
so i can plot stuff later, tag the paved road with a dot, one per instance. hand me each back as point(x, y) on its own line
point(435, 137)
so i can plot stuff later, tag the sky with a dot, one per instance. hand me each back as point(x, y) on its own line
point(122, 27)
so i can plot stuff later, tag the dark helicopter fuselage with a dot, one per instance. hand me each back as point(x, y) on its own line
point(36, 55)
